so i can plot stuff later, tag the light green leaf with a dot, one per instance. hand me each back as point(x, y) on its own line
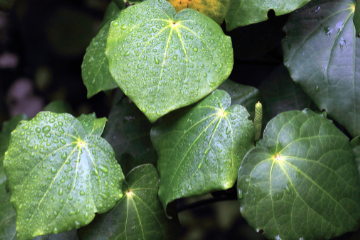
point(303, 182)
point(201, 147)
point(155, 55)
point(243, 95)
point(58, 106)
point(128, 132)
point(58, 176)
point(92, 125)
point(6, 5)
point(321, 52)
point(281, 94)
point(139, 214)
point(245, 12)
point(95, 66)
point(355, 144)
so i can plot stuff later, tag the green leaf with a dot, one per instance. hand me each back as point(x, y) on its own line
point(303, 182)
point(201, 147)
point(112, 12)
point(155, 55)
point(58, 106)
point(216, 10)
point(92, 125)
point(7, 215)
point(321, 52)
point(59, 176)
point(355, 144)
point(138, 215)
point(128, 132)
point(95, 66)
point(6, 5)
point(120, 4)
point(281, 94)
point(243, 95)
point(246, 12)
point(356, 18)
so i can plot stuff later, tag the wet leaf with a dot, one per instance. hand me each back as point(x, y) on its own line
point(128, 132)
point(58, 106)
point(95, 66)
point(59, 176)
point(303, 182)
point(92, 125)
point(139, 214)
point(214, 9)
point(155, 55)
point(246, 12)
point(356, 18)
point(201, 147)
point(321, 52)
point(281, 94)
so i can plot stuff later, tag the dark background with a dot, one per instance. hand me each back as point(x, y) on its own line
point(42, 44)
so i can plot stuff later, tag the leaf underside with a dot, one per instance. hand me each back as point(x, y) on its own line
point(303, 182)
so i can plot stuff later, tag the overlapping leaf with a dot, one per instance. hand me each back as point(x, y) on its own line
point(355, 144)
point(281, 94)
point(303, 182)
point(214, 9)
point(128, 132)
point(155, 56)
point(58, 175)
point(139, 214)
point(245, 12)
point(92, 125)
point(95, 66)
point(201, 147)
point(58, 106)
point(322, 52)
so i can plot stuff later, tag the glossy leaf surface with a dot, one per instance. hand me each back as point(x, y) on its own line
point(322, 53)
point(59, 176)
point(303, 182)
point(201, 147)
point(139, 214)
point(214, 9)
point(281, 94)
point(92, 125)
point(95, 67)
point(245, 12)
point(128, 132)
point(155, 55)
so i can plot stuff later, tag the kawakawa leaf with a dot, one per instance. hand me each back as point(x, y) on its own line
point(92, 125)
point(59, 176)
point(303, 182)
point(201, 147)
point(95, 66)
point(356, 18)
point(322, 53)
point(128, 132)
point(243, 95)
point(355, 144)
point(281, 94)
point(139, 214)
point(245, 12)
point(214, 9)
point(163, 60)
point(58, 106)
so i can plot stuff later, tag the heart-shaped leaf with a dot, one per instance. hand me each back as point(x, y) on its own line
point(201, 147)
point(321, 52)
point(139, 214)
point(155, 55)
point(95, 67)
point(58, 176)
point(281, 94)
point(303, 183)
point(128, 132)
point(216, 10)
point(245, 12)
point(92, 125)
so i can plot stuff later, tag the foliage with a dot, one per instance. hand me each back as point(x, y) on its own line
point(180, 128)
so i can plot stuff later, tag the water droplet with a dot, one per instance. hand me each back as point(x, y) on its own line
point(53, 170)
point(46, 129)
point(156, 60)
point(82, 193)
point(52, 120)
point(64, 155)
point(60, 191)
point(287, 189)
point(55, 213)
point(103, 168)
point(62, 141)
point(25, 127)
point(317, 88)
point(115, 24)
point(55, 229)
point(195, 49)
point(240, 194)
point(77, 225)
point(104, 195)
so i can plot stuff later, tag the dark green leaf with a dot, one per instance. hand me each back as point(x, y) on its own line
point(119, 4)
point(6, 5)
point(243, 95)
point(155, 55)
point(245, 12)
point(321, 52)
point(92, 125)
point(355, 144)
point(303, 182)
point(128, 132)
point(201, 147)
point(58, 176)
point(357, 18)
point(7, 215)
point(139, 214)
point(95, 66)
point(58, 106)
point(281, 94)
